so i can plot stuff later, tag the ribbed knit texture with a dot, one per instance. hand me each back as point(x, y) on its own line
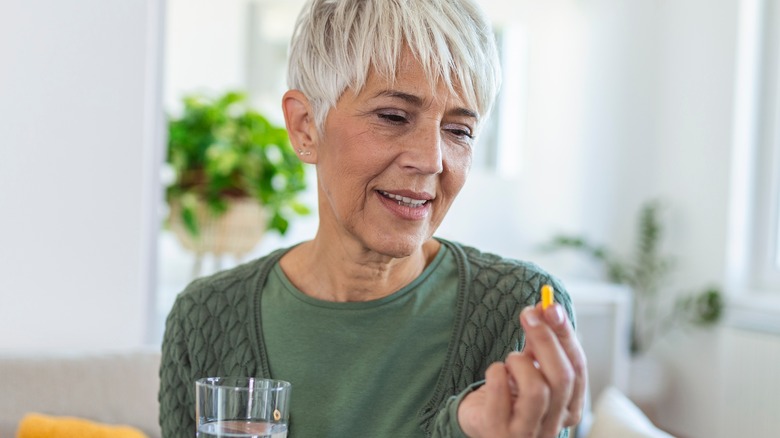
point(214, 329)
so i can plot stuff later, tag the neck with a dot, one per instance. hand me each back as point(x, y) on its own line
point(344, 273)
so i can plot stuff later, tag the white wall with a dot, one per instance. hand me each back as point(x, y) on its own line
point(78, 108)
point(205, 42)
point(698, 69)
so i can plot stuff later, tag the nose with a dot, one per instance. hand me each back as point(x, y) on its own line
point(423, 152)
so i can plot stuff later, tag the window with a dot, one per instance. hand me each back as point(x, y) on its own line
point(754, 248)
point(766, 237)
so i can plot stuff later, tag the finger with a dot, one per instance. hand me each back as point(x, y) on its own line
point(498, 399)
point(533, 395)
point(554, 364)
point(558, 321)
point(535, 315)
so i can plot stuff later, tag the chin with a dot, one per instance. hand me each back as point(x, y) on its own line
point(398, 246)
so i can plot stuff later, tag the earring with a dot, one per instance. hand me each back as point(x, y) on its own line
point(302, 152)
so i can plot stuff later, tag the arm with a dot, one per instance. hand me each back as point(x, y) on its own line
point(176, 396)
point(446, 423)
point(492, 297)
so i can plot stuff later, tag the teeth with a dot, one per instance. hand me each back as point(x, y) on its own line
point(403, 200)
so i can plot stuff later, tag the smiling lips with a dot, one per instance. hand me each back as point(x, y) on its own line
point(404, 200)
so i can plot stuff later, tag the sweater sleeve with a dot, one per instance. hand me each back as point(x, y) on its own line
point(177, 392)
point(446, 425)
point(498, 290)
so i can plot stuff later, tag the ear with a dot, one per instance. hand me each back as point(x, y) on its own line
point(301, 128)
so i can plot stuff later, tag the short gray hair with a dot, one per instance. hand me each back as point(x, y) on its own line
point(335, 42)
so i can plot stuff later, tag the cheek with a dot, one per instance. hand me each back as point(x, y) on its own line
point(351, 162)
point(458, 167)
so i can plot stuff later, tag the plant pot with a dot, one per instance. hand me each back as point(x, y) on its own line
point(236, 232)
point(647, 383)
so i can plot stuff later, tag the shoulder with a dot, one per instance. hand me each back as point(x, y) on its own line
point(495, 278)
point(488, 267)
point(231, 287)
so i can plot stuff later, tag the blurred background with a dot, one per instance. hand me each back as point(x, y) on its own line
point(648, 131)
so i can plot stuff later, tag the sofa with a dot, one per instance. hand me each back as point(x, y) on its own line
point(118, 387)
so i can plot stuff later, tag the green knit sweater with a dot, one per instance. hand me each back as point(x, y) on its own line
point(214, 329)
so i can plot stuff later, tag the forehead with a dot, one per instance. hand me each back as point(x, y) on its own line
point(410, 77)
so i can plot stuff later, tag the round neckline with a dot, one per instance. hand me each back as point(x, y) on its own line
point(359, 305)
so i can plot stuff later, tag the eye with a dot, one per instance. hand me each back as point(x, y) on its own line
point(459, 131)
point(393, 117)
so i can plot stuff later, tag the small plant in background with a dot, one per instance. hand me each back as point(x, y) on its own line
point(221, 150)
point(235, 177)
point(646, 272)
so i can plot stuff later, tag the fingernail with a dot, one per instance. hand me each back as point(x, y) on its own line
point(530, 317)
point(557, 314)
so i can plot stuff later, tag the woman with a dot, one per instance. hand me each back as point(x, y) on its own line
point(383, 330)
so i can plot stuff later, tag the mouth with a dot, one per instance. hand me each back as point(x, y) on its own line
point(404, 200)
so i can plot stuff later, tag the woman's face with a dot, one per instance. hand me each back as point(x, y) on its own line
point(391, 160)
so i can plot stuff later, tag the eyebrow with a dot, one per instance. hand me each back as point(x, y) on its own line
point(418, 101)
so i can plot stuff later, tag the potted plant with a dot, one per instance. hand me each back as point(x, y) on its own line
point(235, 175)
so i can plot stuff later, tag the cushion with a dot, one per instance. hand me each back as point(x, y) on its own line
point(615, 416)
point(45, 426)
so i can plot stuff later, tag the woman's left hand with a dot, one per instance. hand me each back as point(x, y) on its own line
point(533, 393)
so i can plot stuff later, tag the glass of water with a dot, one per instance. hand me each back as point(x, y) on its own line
point(242, 407)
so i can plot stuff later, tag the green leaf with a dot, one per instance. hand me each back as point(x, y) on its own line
point(279, 223)
point(190, 221)
point(300, 208)
point(709, 306)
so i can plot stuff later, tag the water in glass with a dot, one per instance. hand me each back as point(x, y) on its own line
point(242, 429)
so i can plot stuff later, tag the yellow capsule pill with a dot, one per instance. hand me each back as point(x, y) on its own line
point(547, 296)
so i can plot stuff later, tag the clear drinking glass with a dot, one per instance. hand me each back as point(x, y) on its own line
point(242, 407)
